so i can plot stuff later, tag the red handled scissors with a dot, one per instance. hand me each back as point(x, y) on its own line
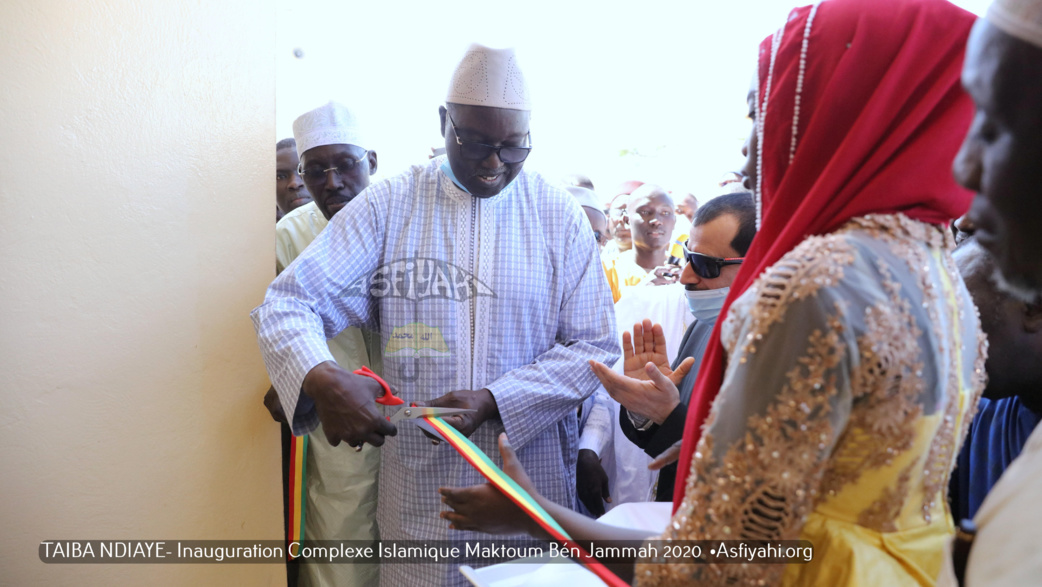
point(409, 412)
point(388, 398)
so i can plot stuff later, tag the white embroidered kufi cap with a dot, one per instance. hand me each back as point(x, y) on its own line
point(1019, 18)
point(489, 77)
point(331, 124)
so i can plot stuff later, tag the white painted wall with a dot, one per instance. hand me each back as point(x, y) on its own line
point(136, 149)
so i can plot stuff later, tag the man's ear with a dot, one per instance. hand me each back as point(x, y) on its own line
point(1032, 317)
point(442, 112)
point(372, 162)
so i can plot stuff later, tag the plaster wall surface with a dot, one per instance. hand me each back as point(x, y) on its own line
point(136, 225)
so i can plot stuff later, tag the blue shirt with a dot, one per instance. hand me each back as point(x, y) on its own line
point(996, 436)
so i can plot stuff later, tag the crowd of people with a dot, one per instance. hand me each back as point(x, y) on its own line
point(840, 344)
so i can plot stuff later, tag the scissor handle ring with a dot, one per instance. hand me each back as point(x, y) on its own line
point(388, 398)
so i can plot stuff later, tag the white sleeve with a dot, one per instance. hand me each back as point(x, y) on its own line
point(598, 433)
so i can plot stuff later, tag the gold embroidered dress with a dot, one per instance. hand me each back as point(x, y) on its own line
point(854, 365)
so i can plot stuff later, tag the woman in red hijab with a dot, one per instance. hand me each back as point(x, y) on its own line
point(834, 396)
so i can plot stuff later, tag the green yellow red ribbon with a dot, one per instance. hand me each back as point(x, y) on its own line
point(298, 450)
point(522, 498)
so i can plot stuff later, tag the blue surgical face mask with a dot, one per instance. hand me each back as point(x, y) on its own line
point(448, 171)
point(706, 304)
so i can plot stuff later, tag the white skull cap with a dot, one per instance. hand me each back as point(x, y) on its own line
point(331, 124)
point(1019, 18)
point(489, 77)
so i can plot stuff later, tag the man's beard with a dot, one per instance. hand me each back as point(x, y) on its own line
point(1019, 291)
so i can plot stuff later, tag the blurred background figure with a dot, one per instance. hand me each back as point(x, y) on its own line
point(687, 205)
point(620, 231)
point(598, 221)
point(732, 177)
point(578, 180)
point(650, 219)
point(290, 191)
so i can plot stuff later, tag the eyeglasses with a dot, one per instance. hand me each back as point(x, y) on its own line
point(481, 151)
point(315, 174)
point(708, 267)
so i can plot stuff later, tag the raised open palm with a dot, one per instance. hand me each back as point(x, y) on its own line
point(646, 345)
point(649, 385)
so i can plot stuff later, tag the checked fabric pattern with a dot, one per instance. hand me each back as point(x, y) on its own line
point(520, 304)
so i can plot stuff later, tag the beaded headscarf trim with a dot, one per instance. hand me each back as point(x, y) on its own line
point(761, 110)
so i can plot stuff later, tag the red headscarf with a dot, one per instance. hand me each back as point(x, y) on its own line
point(881, 115)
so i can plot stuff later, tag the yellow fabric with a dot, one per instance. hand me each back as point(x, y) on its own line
point(849, 554)
point(846, 553)
point(622, 272)
point(680, 236)
point(295, 231)
point(341, 505)
point(341, 483)
point(854, 364)
point(677, 248)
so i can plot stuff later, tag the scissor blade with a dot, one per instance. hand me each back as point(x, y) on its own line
point(418, 412)
point(426, 427)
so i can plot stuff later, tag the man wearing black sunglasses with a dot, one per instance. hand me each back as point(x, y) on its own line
point(473, 134)
point(653, 411)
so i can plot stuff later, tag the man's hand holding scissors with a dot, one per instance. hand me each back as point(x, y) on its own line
point(345, 404)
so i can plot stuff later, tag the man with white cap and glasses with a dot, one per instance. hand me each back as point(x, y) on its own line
point(486, 285)
point(1001, 160)
point(333, 487)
